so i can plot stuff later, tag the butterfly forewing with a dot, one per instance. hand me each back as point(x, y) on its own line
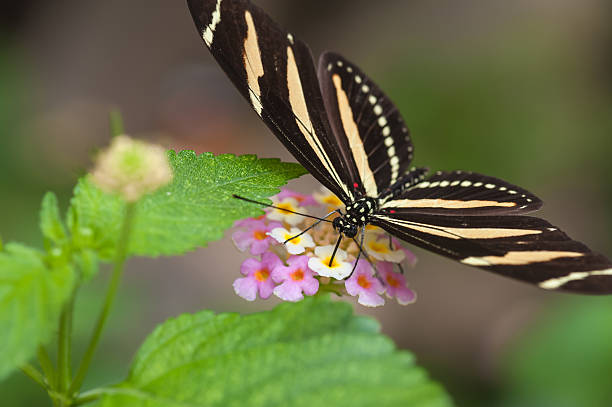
point(462, 193)
point(368, 125)
point(274, 71)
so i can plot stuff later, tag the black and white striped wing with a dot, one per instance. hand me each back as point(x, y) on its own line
point(369, 128)
point(462, 193)
point(521, 247)
point(275, 72)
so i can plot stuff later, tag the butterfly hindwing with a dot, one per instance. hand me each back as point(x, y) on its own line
point(369, 127)
point(275, 72)
point(521, 247)
point(463, 193)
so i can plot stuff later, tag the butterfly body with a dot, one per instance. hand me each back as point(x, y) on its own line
point(351, 137)
point(357, 215)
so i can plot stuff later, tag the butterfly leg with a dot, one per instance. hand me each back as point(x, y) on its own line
point(331, 259)
point(365, 254)
point(399, 265)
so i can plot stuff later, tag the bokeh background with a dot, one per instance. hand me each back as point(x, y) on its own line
point(521, 90)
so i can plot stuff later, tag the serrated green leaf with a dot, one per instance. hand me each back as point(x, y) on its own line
point(311, 353)
point(31, 298)
point(193, 210)
point(50, 221)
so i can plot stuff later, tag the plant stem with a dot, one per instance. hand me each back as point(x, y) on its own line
point(64, 346)
point(35, 375)
point(47, 366)
point(120, 256)
point(116, 123)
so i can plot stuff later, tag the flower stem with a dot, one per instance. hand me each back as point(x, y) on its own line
point(120, 256)
point(64, 346)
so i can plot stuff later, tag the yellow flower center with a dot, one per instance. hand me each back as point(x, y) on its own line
point(260, 234)
point(379, 247)
point(297, 275)
point(285, 207)
point(332, 200)
point(262, 275)
point(296, 240)
point(333, 265)
point(363, 281)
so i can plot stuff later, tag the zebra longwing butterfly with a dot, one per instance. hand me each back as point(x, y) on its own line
point(345, 131)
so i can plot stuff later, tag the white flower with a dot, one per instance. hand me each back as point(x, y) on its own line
point(378, 247)
point(288, 217)
point(328, 198)
point(294, 246)
point(339, 269)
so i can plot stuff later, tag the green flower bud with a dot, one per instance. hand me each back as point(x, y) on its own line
point(131, 168)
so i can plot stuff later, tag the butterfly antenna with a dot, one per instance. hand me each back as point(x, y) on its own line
point(279, 208)
point(312, 226)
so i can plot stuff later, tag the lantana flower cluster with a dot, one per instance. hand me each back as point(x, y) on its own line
point(302, 267)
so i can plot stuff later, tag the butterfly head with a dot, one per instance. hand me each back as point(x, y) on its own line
point(347, 228)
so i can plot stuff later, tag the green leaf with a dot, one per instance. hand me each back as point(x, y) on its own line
point(50, 222)
point(31, 298)
point(566, 359)
point(311, 353)
point(193, 210)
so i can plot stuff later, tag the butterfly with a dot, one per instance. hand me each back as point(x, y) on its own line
point(348, 134)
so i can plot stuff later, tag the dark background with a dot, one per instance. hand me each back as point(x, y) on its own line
point(520, 90)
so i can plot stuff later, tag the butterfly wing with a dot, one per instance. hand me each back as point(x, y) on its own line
point(275, 72)
point(462, 193)
point(521, 247)
point(372, 134)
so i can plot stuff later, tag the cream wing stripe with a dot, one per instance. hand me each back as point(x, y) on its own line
point(518, 258)
point(208, 34)
point(252, 63)
point(352, 134)
point(461, 233)
point(555, 283)
point(302, 118)
point(443, 203)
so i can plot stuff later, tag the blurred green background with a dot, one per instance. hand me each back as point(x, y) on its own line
point(520, 90)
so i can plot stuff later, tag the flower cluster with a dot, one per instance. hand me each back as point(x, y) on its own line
point(292, 262)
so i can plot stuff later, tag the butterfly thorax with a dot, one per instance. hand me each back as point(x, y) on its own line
point(357, 215)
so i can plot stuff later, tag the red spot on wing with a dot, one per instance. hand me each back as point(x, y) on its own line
point(392, 211)
point(356, 185)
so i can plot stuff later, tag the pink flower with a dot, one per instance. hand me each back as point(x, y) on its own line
point(258, 277)
point(255, 236)
point(244, 222)
point(410, 257)
point(395, 284)
point(295, 279)
point(303, 200)
point(364, 284)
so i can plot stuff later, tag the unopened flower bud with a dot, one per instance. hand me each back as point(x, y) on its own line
point(131, 168)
